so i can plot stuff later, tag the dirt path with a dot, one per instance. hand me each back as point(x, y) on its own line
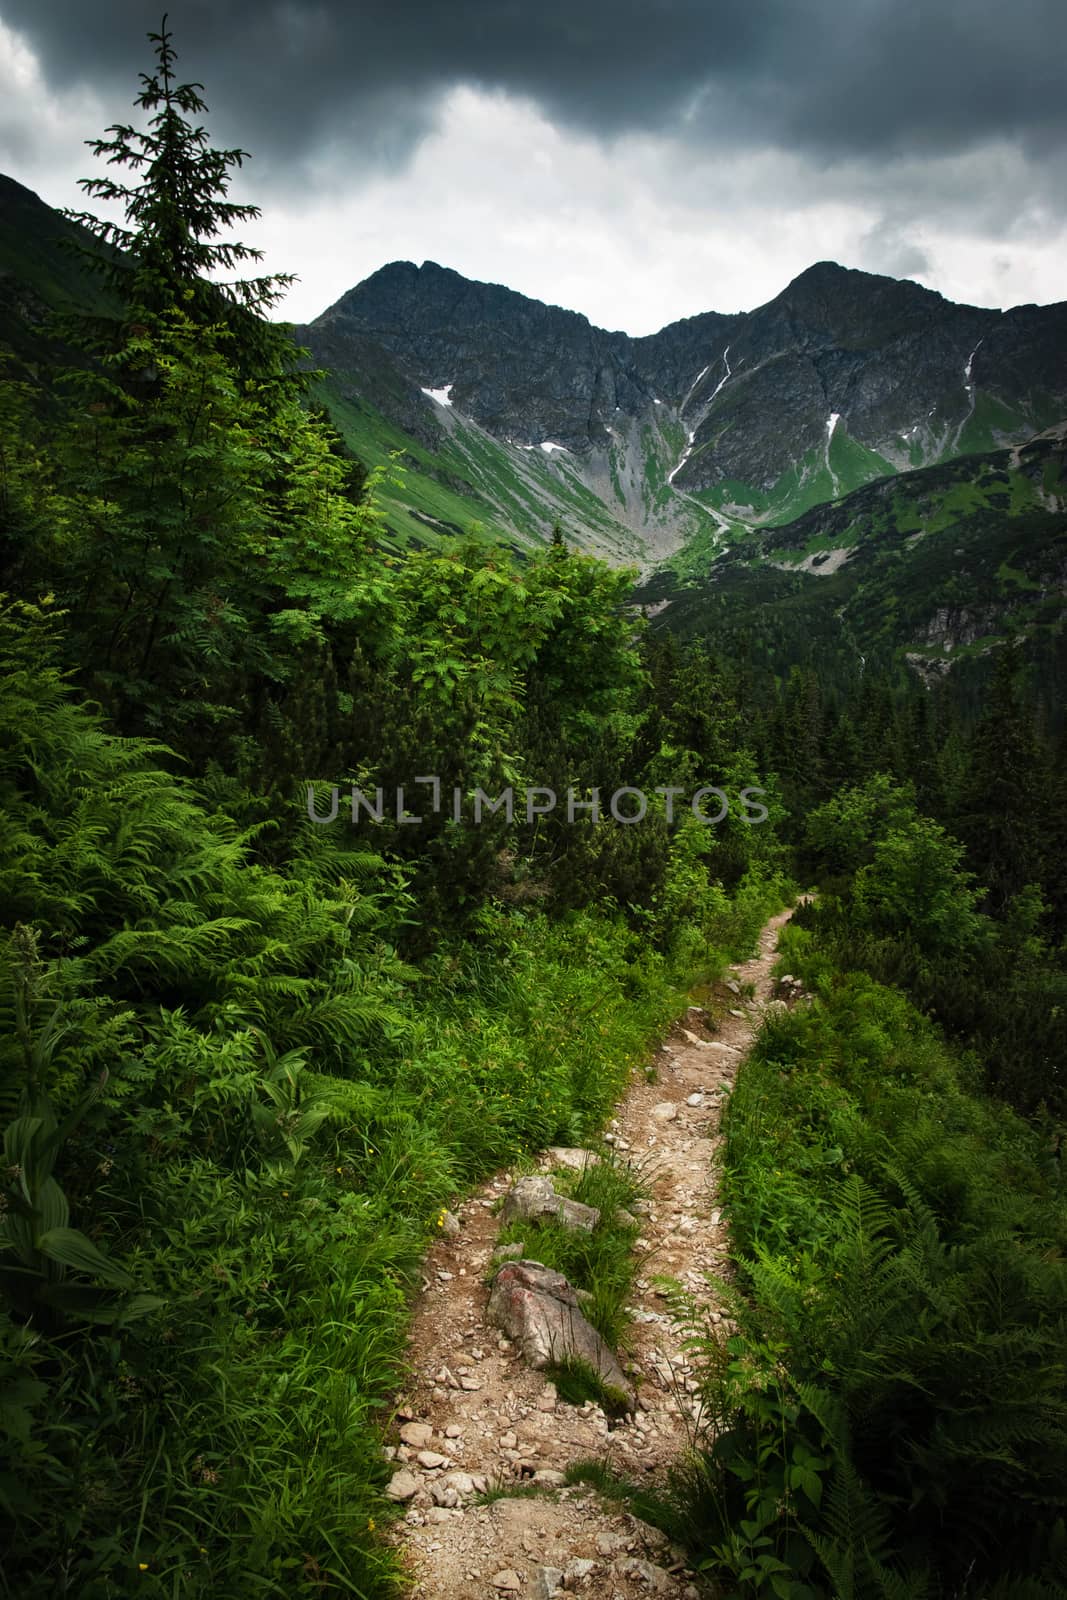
point(475, 1416)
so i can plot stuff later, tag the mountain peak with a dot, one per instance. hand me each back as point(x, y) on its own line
point(831, 278)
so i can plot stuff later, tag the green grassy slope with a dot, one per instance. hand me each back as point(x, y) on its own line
point(944, 565)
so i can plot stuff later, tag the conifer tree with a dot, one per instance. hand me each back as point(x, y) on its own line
point(170, 249)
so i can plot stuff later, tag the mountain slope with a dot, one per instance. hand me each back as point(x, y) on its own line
point(510, 416)
point(39, 271)
point(928, 572)
point(711, 425)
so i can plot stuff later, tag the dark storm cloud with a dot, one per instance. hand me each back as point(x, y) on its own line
point(867, 78)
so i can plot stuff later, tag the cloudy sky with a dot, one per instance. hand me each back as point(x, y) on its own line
point(637, 160)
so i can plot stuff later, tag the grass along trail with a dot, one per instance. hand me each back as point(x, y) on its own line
point(475, 1417)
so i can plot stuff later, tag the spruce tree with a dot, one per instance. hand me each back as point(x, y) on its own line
point(171, 249)
point(176, 213)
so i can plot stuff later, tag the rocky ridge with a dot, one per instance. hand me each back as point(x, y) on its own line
point(743, 398)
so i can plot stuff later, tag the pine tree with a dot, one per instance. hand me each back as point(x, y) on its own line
point(171, 250)
point(1003, 813)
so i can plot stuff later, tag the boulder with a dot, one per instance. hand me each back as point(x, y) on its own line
point(540, 1310)
point(533, 1199)
point(416, 1434)
point(402, 1486)
point(574, 1160)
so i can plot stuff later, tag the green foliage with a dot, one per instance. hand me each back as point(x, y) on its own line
point(577, 1383)
point(893, 1406)
point(600, 1263)
point(175, 214)
point(245, 1060)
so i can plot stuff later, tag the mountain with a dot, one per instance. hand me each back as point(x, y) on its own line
point(712, 426)
point(40, 271)
point(845, 472)
point(928, 572)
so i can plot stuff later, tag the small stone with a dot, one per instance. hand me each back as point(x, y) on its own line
point(733, 986)
point(577, 1571)
point(446, 1277)
point(450, 1224)
point(655, 1578)
point(695, 1100)
point(550, 1478)
point(508, 1441)
point(507, 1581)
point(666, 1111)
point(453, 1431)
point(547, 1583)
point(462, 1482)
point(402, 1486)
point(469, 1384)
point(624, 1218)
point(431, 1460)
point(546, 1400)
point(510, 1252)
point(416, 1434)
point(735, 1013)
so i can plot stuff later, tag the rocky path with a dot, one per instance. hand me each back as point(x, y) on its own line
point(476, 1417)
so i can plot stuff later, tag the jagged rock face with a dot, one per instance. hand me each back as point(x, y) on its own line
point(527, 372)
point(888, 358)
point(897, 363)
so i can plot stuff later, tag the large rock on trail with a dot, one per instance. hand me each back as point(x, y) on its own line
point(533, 1199)
point(539, 1309)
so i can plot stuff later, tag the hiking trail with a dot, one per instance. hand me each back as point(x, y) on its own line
point(474, 1415)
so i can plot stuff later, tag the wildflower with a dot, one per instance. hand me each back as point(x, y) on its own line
point(370, 1524)
point(142, 1566)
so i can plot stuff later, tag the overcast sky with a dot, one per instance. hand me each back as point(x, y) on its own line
point(636, 161)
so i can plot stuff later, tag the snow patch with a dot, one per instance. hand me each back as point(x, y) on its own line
point(970, 364)
point(692, 387)
point(688, 452)
point(725, 358)
point(442, 396)
point(548, 447)
point(831, 424)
